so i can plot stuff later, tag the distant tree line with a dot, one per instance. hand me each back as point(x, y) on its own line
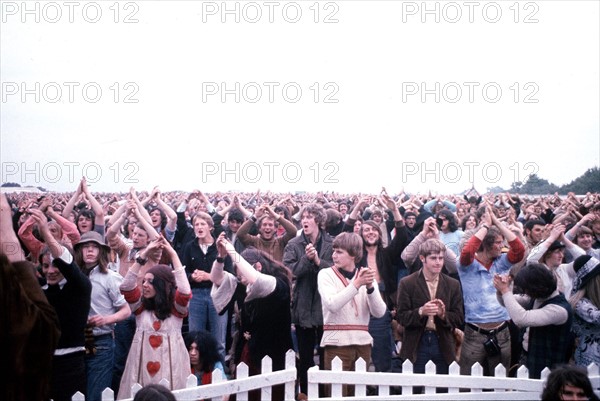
point(534, 185)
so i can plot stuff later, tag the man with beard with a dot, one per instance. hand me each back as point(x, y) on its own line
point(305, 256)
point(384, 262)
point(487, 339)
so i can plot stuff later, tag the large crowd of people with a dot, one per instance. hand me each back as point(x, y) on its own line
point(112, 289)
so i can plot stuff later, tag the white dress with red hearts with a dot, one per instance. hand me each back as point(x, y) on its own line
point(158, 350)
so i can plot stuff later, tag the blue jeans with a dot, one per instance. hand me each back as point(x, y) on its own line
point(124, 332)
point(429, 350)
point(383, 342)
point(99, 367)
point(204, 316)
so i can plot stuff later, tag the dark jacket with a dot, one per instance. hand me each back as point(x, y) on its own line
point(388, 262)
point(552, 344)
point(306, 301)
point(72, 304)
point(414, 293)
point(193, 258)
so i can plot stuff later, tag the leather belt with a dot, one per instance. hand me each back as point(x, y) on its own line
point(488, 332)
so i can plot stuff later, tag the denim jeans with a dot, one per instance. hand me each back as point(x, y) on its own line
point(124, 332)
point(99, 367)
point(383, 342)
point(429, 350)
point(204, 316)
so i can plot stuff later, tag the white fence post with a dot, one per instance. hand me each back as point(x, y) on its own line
point(430, 370)
point(407, 367)
point(453, 370)
point(290, 387)
point(313, 386)
point(360, 389)
point(336, 388)
point(500, 371)
point(267, 367)
point(241, 372)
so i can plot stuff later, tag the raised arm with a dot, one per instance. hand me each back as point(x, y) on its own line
point(94, 204)
point(183, 284)
point(9, 243)
point(69, 229)
point(151, 231)
point(142, 212)
point(31, 242)
point(169, 212)
point(244, 269)
point(42, 222)
point(71, 203)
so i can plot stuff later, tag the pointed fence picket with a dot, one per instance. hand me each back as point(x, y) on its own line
point(387, 386)
point(459, 387)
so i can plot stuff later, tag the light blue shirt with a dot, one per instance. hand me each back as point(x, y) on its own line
point(479, 293)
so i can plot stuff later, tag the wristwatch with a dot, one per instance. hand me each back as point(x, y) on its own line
point(141, 261)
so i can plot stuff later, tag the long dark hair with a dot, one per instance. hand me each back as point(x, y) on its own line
point(164, 285)
point(567, 375)
point(207, 348)
point(103, 259)
point(452, 220)
point(536, 280)
point(269, 265)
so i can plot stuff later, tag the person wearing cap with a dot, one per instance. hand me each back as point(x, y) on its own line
point(69, 291)
point(108, 306)
point(585, 300)
point(410, 220)
point(551, 253)
point(543, 311)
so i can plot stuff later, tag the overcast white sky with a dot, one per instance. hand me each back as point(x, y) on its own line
point(341, 96)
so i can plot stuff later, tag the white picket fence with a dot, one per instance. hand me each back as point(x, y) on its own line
point(220, 386)
point(498, 387)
